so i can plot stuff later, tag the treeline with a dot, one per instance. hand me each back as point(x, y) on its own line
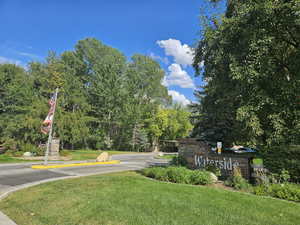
point(104, 101)
point(251, 68)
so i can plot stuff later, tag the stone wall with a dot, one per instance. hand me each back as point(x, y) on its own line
point(198, 155)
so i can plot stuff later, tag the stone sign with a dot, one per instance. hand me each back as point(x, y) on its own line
point(199, 155)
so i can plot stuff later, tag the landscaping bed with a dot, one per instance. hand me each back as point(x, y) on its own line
point(130, 198)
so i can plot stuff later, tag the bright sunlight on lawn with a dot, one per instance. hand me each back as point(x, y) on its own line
point(129, 198)
point(90, 154)
point(9, 159)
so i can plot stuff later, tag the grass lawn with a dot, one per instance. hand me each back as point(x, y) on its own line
point(9, 159)
point(131, 199)
point(75, 155)
point(169, 156)
point(258, 161)
point(90, 154)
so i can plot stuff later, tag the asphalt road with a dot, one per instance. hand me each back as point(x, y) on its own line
point(16, 176)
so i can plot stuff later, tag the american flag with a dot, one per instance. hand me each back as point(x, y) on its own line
point(46, 125)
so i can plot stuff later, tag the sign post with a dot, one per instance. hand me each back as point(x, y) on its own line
point(50, 132)
point(219, 147)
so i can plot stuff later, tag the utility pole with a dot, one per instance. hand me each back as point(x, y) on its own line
point(50, 132)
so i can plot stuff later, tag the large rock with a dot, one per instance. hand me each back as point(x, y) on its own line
point(103, 157)
point(213, 177)
point(27, 154)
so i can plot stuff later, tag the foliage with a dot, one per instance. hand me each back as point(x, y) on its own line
point(178, 174)
point(212, 168)
point(237, 181)
point(104, 101)
point(251, 73)
point(201, 177)
point(80, 203)
point(277, 158)
point(169, 124)
point(178, 161)
point(286, 191)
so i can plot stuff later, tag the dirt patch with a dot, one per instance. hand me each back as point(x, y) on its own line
point(220, 184)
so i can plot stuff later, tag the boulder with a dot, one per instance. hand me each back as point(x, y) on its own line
point(213, 177)
point(27, 154)
point(103, 157)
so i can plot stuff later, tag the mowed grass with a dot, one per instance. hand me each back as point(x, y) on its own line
point(131, 199)
point(90, 154)
point(9, 159)
point(169, 156)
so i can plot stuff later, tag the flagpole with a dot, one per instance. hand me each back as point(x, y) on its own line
point(50, 132)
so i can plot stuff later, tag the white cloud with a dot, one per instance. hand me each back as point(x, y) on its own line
point(180, 98)
point(29, 55)
point(4, 60)
point(178, 76)
point(182, 53)
point(157, 57)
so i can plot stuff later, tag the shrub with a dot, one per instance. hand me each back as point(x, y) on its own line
point(278, 158)
point(201, 177)
point(237, 181)
point(10, 144)
point(64, 153)
point(178, 161)
point(286, 191)
point(178, 175)
point(212, 168)
point(159, 173)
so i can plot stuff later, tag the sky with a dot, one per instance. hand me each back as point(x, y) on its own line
point(166, 30)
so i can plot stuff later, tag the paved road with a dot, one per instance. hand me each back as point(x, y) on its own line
point(18, 175)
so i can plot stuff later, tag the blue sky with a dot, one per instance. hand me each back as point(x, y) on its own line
point(165, 30)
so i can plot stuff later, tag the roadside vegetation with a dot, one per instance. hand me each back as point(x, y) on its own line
point(79, 155)
point(9, 159)
point(89, 154)
point(277, 185)
point(251, 72)
point(105, 102)
point(129, 198)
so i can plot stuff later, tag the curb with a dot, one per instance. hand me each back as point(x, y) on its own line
point(4, 220)
point(74, 164)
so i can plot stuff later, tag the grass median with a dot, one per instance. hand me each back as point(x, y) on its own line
point(77, 155)
point(90, 154)
point(129, 198)
point(8, 159)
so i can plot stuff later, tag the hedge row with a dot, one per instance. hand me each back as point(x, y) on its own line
point(179, 175)
point(285, 191)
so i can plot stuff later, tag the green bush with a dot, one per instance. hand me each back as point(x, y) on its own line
point(178, 175)
point(37, 151)
point(178, 161)
point(201, 177)
point(159, 173)
point(277, 158)
point(212, 168)
point(64, 153)
point(9, 144)
point(237, 181)
point(286, 191)
point(14, 153)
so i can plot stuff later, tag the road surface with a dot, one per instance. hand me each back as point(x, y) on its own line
point(16, 176)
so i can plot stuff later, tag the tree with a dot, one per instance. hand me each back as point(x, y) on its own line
point(251, 56)
point(169, 124)
point(18, 106)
